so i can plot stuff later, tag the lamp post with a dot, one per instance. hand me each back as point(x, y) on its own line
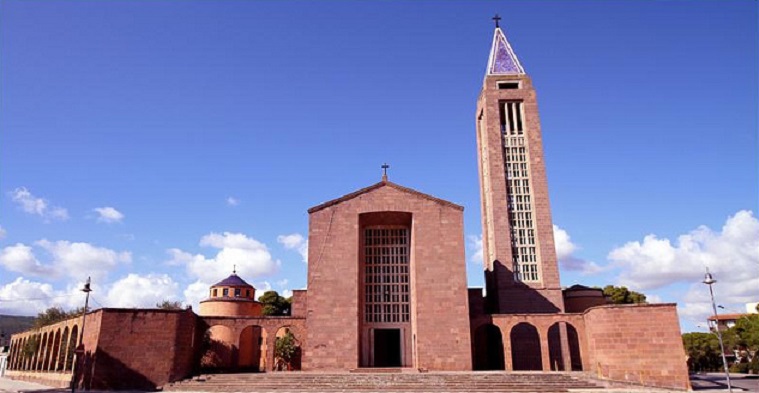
point(80, 348)
point(709, 280)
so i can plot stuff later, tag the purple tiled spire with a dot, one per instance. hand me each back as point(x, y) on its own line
point(502, 59)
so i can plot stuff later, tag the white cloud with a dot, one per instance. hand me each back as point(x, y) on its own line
point(24, 297)
point(732, 255)
point(108, 214)
point(196, 292)
point(474, 243)
point(37, 206)
point(3, 232)
point(565, 250)
point(262, 288)
point(248, 256)
point(296, 242)
point(232, 201)
point(142, 291)
point(77, 259)
point(20, 258)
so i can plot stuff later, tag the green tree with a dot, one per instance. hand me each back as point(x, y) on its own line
point(622, 295)
point(169, 305)
point(703, 351)
point(286, 348)
point(275, 304)
point(55, 314)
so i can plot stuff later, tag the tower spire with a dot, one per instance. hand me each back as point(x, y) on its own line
point(502, 60)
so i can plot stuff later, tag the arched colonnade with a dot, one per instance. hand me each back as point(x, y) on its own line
point(246, 344)
point(529, 342)
point(46, 350)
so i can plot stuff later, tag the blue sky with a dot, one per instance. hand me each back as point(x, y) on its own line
point(153, 144)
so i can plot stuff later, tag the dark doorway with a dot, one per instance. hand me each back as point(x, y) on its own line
point(555, 354)
point(574, 348)
point(525, 348)
point(387, 347)
point(488, 348)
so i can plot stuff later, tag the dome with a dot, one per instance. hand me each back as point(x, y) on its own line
point(232, 281)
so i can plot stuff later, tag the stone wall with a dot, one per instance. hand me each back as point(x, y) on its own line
point(638, 344)
point(139, 348)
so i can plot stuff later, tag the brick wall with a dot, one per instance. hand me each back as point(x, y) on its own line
point(299, 305)
point(637, 343)
point(140, 349)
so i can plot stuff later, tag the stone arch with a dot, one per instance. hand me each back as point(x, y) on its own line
point(56, 349)
point(555, 354)
point(251, 348)
point(525, 347)
point(63, 353)
point(12, 357)
point(488, 348)
point(295, 362)
point(219, 348)
point(574, 348)
point(73, 338)
point(41, 352)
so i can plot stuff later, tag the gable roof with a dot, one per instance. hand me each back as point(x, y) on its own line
point(381, 184)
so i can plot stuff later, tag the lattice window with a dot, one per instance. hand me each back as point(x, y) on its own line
point(519, 194)
point(386, 275)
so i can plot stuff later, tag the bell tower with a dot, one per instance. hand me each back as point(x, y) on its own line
point(521, 271)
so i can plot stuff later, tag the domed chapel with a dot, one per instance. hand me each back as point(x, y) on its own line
point(387, 288)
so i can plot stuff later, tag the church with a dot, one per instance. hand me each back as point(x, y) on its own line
point(387, 289)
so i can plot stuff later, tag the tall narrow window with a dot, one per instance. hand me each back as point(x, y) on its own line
point(386, 275)
point(517, 170)
point(511, 118)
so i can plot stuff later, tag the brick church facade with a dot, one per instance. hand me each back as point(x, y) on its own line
point(387, 288)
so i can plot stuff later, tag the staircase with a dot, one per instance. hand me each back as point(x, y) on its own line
point(385, 382)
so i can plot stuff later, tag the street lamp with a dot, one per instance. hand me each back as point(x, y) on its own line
point(79, 351)
point(709, 280)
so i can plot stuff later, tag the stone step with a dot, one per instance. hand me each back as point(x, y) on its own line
point(386, 380)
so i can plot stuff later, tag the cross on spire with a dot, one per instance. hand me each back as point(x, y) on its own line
point(497, 19)
point(384, 171)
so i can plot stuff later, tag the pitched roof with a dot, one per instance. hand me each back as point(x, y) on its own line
point(375, 186)
point(502, 60)
point(232, 281)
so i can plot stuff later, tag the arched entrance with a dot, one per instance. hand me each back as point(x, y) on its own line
point(555, 354)
point(488, 348)
point(252, 349)
point(556, 350)
point(574, 348)
point(525, 348)
point(287, 344)
point(219, 351)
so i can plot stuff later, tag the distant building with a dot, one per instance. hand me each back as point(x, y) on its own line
point(387, 288)
point(723, 321)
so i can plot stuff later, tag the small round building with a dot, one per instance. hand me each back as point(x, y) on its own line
point(231, 297)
